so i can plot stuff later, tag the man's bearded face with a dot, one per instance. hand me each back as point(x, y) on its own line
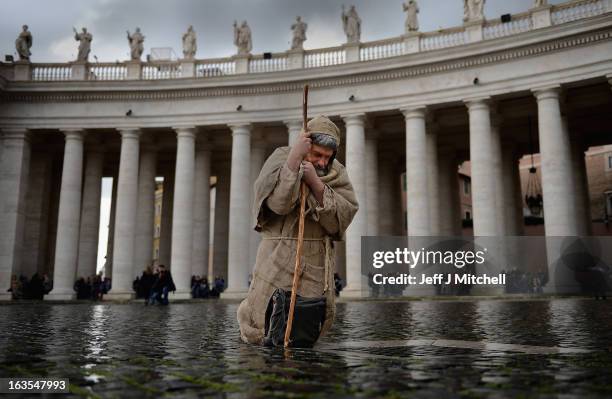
point(319, 156)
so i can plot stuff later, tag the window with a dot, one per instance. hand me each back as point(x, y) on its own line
point(468, 215)
point(609, 162)
point(608, 196)
point(466, 186)
point(157, 230)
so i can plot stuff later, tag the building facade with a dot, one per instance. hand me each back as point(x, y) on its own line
point(421, 103)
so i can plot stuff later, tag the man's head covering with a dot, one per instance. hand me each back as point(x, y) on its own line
point(323, 125)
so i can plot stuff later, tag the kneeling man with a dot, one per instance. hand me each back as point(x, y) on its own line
point(330, 207)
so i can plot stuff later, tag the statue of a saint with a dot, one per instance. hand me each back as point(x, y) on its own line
point(473, 10)
point(412, 22)
point(351, 24)
point(136, 44)
point(540, 3)
point(242, 38)
point(23, 43)
point(189, 43)
point(299, 34)
point(84, 38)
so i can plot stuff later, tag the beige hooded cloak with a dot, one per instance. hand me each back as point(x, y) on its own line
point(275, 215)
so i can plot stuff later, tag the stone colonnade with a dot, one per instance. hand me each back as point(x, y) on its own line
point(432, 192)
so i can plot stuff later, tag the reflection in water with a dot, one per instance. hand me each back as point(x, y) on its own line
point(568, 322)
point(189, 350)
point(96, 333)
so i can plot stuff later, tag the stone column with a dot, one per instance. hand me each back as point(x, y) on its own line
point(416, 173)
point(145, 214)
point(14, 171)
point(433, 184)
point(125, 216)
point(559, 195)
point(221, 227)
point(355, 156)
point(38, 201)
point(372, 176)
point(450, 219)
point(182, 212)
point(67, 242)
point(258, 155)
point(558, 192)
point(498, 177)
point(90, 214)
point(511, 199)
point(293, 128)
point(108, 264)
point(582, 208)
point(201, 210)
point(483, 173)
point(165, 239)
point(387, 179)
point(484, 151)
point(518, 192)
point(239, 220)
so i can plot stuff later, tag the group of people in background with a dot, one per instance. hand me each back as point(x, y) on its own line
point(202, 288)
point(92, 288)
point(521, 282)
point(155, 284)
point(34, 288)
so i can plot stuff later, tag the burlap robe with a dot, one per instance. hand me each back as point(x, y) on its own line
point(276, 216)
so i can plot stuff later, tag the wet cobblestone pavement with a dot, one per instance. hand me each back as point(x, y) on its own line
point(422, 349)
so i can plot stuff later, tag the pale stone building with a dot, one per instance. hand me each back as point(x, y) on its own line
point(420, 104)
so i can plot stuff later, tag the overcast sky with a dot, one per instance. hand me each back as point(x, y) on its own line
point(163, 22)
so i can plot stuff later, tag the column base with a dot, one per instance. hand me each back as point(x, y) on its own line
point(60, 296)
point(118, 296)
point(353, 293)
point(6, 296)
point(234, 294)
point(180, 295)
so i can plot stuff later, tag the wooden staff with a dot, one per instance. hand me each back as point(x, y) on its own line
point(300, 240)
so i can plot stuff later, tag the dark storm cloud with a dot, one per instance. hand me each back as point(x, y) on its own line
point(163, 22)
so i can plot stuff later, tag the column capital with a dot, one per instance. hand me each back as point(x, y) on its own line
point(477, 103)
point(354, 119)
point(74, 134)
point(185, 132)
point(416, 111)
point(16, 133)
point(609, 77)
point(546, 92)
point(240, 128)
point(129, 132)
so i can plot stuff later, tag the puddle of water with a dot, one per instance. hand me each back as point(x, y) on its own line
point(425, 348)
